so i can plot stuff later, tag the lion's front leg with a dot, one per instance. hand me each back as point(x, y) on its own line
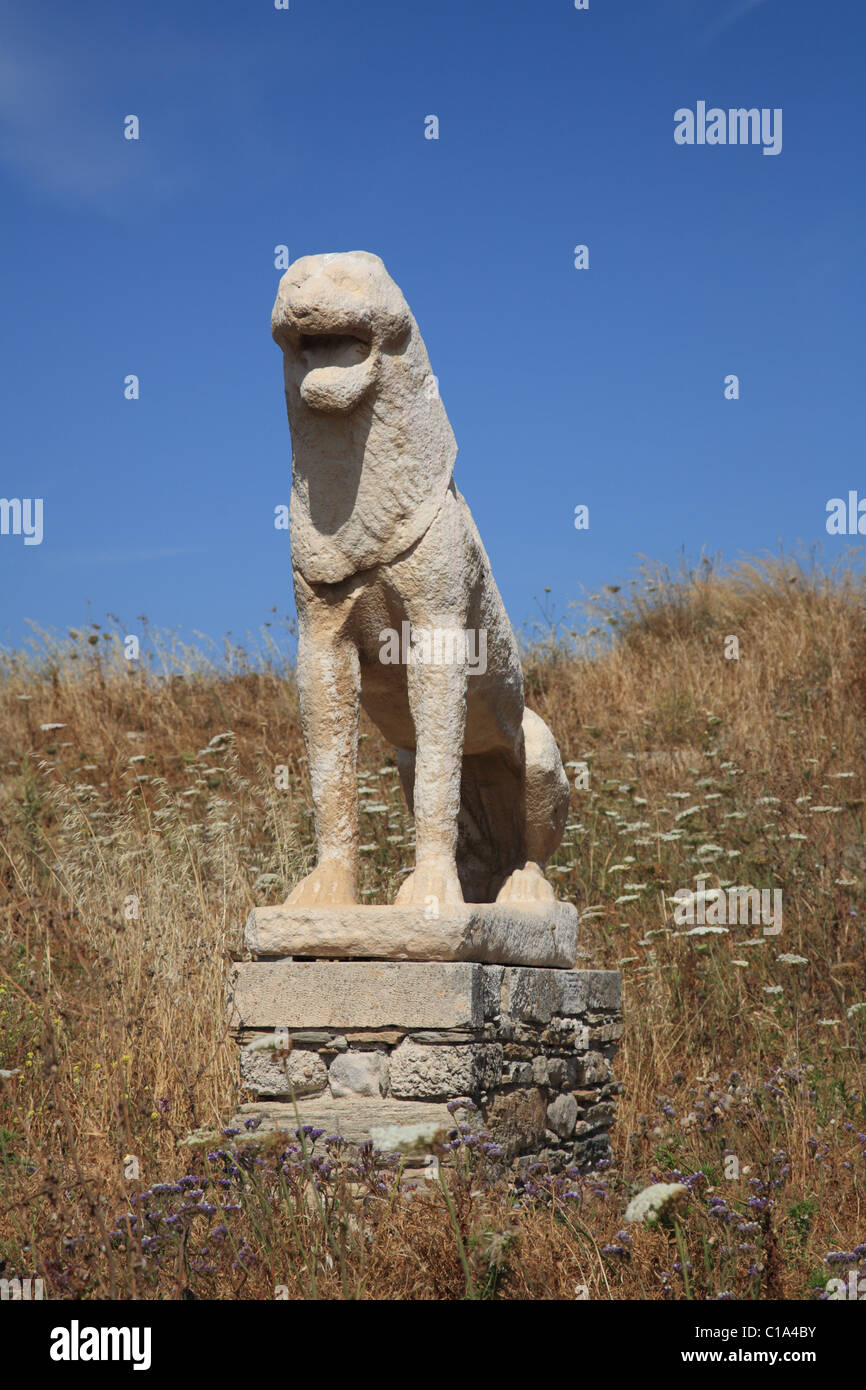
point(437, 701)
point(329, 686)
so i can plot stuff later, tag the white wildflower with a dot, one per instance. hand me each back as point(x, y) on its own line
point(660, 1202)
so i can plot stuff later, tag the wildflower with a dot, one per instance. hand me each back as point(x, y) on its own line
point(461, 1103)
point(659, 1203)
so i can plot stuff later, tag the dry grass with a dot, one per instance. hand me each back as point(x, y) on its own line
point(133, 840)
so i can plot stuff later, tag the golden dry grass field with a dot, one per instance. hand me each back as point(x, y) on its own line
point(140, 820)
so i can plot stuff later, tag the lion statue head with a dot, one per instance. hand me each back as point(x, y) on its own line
point(373, 452)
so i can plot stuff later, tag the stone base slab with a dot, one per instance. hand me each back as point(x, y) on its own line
point(542, 934)
point(423, 994)
point(393, 1126)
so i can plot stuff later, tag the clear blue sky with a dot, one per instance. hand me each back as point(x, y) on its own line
point(306, 127)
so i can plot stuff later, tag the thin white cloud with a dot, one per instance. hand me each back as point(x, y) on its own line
point(736, 13)
point(61, 128)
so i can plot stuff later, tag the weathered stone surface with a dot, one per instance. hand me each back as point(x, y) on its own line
point(542, 934)
point(556, 1072)
point(373, 1037)
point(517, 1121)
point(359, 1074)
point(374, 510)
point(443, 1036)
point(562, 1115)
point(355, 1119)
point(549, 1090)
point(491, 984)
point(590, 991)
point(589, 1069)
point(588, 1151)
point(371, 994)
point(539, 1071)
point(274, 1073)
point(602, 1113)
point(602, 1033)
point(517, 1052)
point(531, 995)
point(423, 1072)
point(430, 1073)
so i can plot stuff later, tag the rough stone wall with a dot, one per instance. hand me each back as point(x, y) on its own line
point(536, 1062)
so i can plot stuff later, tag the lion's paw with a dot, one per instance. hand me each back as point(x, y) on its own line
point(330, 884)
point(526, 886)
point(432, 886)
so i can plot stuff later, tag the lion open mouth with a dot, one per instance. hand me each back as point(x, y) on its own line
point(319, 350)
point(333, 368)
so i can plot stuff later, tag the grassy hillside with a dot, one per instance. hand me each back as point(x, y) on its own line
point(142, 814)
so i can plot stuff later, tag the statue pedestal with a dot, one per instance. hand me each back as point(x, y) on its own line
point(496, 933)
point(374, 1049)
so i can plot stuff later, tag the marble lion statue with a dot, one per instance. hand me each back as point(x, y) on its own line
point(383, 543)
